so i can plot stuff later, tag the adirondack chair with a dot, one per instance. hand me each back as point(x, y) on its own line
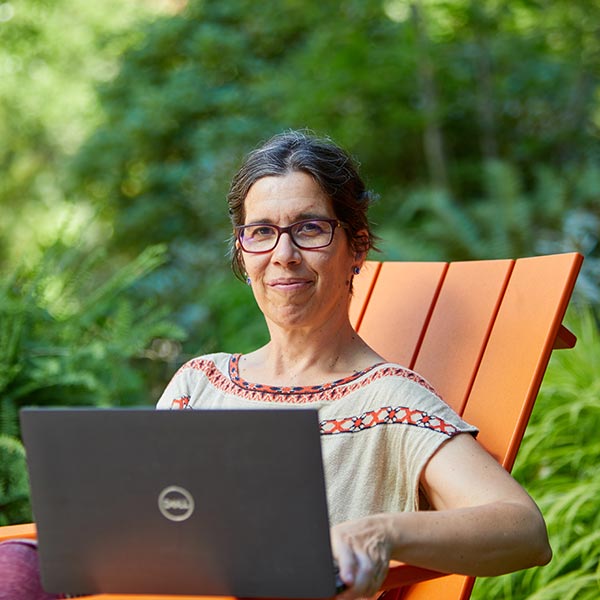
point(482, 333)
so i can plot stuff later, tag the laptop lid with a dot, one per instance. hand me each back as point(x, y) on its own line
point(219, 502)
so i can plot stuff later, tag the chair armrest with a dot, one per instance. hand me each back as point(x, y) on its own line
point(11, 532)
point(401, 574)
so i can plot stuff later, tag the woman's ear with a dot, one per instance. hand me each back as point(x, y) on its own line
point(239, 256)
point(362, 247)
point(359, 259)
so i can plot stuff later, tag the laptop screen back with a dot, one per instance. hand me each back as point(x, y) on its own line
point(180, 502)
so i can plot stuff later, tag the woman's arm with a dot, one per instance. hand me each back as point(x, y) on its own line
point(483, 523)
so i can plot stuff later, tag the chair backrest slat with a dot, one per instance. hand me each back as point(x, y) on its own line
point(518, 351)
point(460, 325)
point(362, 288)
point(399, 307)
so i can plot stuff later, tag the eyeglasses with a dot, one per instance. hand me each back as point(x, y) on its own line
point(308, 234)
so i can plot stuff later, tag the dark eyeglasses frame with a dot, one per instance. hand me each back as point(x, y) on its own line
point(335, 223)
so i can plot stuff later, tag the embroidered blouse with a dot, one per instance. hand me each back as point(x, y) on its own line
point(379, 427)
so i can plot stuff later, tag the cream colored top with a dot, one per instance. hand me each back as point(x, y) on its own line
point(379, 427)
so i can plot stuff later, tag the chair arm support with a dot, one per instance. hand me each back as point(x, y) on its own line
point(565, 339)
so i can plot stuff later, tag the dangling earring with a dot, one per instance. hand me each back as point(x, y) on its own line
point(356, 270)
point(248, 281)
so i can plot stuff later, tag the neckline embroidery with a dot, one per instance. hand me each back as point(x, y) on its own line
point(234, 374)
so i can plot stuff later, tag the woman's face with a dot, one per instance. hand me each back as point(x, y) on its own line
point(297, 288)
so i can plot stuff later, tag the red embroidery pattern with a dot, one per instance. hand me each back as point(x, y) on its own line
point(234, 373)
point(327, 392)
point(180, 403)
point(335, 390)
point(387, 415)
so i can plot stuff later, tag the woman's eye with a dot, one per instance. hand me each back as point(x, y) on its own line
point(261, 231)
point(311, 228)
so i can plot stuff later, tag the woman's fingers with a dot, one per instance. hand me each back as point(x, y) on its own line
point(346, 562)
point(361, 550)
point(366, 579)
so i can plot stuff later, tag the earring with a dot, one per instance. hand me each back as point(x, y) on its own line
point(248, 281)
point(356, 270)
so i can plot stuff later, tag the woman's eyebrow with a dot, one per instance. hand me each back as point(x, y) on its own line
point(316, 216)
point(299, 217)
point(260, 222)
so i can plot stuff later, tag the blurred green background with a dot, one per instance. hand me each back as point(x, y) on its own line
point(121, 124)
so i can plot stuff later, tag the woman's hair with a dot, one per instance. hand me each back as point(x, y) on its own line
point(332, 168)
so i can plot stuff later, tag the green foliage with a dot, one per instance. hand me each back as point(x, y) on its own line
point(559, 464)
point(235, 323)
point(14, 486)
point(71, 336)
point(52, 54)
point(559, 213)
point(184, 93)
point(202, 86)
point(197, 89)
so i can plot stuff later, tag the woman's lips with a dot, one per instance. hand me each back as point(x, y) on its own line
point(290, 284)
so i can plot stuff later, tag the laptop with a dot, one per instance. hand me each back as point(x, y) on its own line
point(216, 502)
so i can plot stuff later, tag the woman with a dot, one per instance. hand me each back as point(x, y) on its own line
point(299, 211)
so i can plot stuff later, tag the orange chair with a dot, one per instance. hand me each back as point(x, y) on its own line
point(482, 333)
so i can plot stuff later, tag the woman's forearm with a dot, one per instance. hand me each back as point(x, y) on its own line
point(483, 524)
point(483, 540)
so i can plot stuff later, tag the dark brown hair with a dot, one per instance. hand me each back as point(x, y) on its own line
point(332, 168)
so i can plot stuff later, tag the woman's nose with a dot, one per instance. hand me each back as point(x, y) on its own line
point(286, 251)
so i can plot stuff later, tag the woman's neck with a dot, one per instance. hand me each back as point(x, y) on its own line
point(305, 358)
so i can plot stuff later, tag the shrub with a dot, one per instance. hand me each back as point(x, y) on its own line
point(70, 338)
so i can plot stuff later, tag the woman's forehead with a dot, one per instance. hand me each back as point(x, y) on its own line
point(294, 195)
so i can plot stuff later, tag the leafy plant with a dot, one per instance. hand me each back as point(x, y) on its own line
point(14, 487)
point(559, 213)
point(71, 336)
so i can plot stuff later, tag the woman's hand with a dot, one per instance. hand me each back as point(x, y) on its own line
point(362, 550)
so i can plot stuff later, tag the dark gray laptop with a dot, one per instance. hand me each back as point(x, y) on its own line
point(180, 502)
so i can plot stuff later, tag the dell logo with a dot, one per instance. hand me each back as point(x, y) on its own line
point(176, 503)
